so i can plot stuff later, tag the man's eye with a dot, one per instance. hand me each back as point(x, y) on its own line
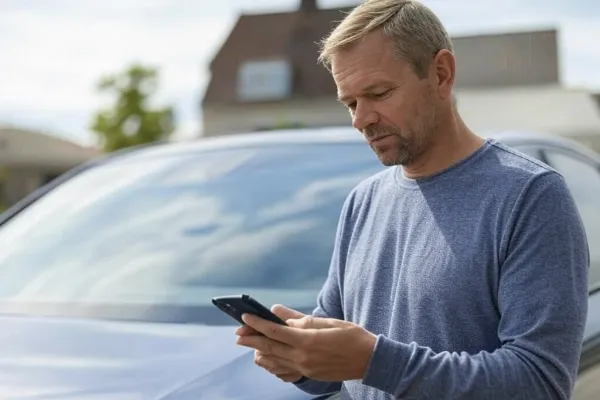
point(352, 105)
point(381, 95)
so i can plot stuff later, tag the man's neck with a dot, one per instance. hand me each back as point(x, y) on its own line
point(447, 148)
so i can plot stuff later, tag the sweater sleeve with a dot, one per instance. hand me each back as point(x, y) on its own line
point(542, 300)
point(329, 300)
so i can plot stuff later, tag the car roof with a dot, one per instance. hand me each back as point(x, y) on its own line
point(324, 135)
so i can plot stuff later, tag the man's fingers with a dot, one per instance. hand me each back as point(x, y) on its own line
point(310, 322)
point(245, 330)
point(286, 313)
point(302, 323)
point(280, 333)
point(276, 366)
point(266, 346)
point(283, 369)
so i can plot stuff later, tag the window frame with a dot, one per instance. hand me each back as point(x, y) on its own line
point(527, 149)
point(544, 149)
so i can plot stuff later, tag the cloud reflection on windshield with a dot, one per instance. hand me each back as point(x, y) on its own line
point(165, 230)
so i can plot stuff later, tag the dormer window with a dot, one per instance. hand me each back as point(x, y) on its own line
point(264, 80)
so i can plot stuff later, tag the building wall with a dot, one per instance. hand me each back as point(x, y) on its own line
point(29, 159)
point(545, 109)
point(517, 59)
point(591, 142)
point(23, 148)
point(222, 120)
point(552, 109)
point(19, 183)
point(507, 60)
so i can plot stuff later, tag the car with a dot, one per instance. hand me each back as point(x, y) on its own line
point(107, 272)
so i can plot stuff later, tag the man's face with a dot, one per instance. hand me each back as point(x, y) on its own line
point(393, 108)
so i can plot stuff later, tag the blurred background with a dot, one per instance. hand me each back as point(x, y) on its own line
point(126, 254)
point(80, 78)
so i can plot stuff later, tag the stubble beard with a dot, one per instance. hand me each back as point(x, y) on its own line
point(411, 143)
point(409, 150)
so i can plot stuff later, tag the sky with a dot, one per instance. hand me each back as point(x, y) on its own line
point(53, 52)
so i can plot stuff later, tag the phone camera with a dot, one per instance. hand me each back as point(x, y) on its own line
point(229, 307)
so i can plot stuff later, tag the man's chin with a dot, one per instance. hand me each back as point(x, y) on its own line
point(387, 161)
point(388, 158)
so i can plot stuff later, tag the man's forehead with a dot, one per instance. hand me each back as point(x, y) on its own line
point(356, 77)
point(346, 92)
point(366, 62)
point(369, 51)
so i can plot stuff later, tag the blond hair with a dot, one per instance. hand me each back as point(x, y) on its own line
point(416, 32)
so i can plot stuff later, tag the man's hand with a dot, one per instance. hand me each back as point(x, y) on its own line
point(319, 348)
point(271, 363)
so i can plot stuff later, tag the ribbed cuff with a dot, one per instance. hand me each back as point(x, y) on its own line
point(387, 365)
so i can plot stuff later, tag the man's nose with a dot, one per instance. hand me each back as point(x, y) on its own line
point(363, 116)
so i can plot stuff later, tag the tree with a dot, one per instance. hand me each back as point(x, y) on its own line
point(130, 120)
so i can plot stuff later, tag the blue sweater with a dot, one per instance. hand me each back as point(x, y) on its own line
point(475, 281)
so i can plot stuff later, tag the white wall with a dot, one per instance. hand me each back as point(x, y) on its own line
point(221, 120)
point(554, 110)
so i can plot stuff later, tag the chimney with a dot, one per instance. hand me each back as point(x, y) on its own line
point(308, 5)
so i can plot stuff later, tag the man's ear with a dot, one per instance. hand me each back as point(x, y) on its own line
point(444, 70)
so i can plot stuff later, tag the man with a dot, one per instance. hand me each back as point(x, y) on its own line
point(460, 272)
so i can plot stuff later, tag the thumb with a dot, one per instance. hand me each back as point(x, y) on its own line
point(286, 313)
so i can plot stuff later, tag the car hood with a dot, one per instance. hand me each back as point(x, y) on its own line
point(51, 358)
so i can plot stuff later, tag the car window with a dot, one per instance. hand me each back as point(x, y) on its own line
point(532, 151)
point(583, 180)
point(180, 229)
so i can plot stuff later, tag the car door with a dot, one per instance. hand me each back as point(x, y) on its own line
point(583, 178)
point(587, 386)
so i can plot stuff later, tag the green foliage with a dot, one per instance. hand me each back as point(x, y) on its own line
point(131, 121)
point(282, 123)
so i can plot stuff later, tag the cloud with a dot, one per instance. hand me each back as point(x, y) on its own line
point(54, 52)
point(53, 58)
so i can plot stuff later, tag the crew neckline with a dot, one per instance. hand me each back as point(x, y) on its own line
point(419, 183)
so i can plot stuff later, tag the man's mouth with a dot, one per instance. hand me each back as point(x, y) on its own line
point(378, 138)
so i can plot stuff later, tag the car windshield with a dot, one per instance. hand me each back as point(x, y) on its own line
point(170, 231)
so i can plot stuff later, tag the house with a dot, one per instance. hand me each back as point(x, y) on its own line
point(30, 159)
point(571, 113)
point(511, 81)
point(266, 76)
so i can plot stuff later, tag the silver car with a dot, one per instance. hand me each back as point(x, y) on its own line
point(106, 274)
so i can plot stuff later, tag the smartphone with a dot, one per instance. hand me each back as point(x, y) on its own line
point(237, 305)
